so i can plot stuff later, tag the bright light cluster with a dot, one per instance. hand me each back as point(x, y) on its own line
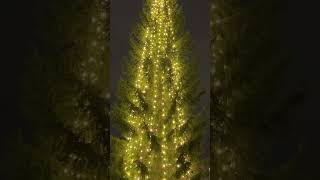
point(158, 77)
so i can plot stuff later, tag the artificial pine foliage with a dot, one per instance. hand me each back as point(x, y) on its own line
point(157, 99)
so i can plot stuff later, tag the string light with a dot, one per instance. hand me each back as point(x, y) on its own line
point(158, 46)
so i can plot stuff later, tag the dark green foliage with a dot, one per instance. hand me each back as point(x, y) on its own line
point(248, 64)
point(64, 95)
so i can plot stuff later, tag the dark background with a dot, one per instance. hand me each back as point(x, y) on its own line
point(299, 25)
point(300, 29)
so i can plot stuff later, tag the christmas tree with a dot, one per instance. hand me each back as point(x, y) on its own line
point(156, 106)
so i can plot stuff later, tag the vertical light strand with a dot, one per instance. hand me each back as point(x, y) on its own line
point(158, 76)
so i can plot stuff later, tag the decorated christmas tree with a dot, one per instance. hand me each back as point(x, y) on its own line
point(156, 109)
